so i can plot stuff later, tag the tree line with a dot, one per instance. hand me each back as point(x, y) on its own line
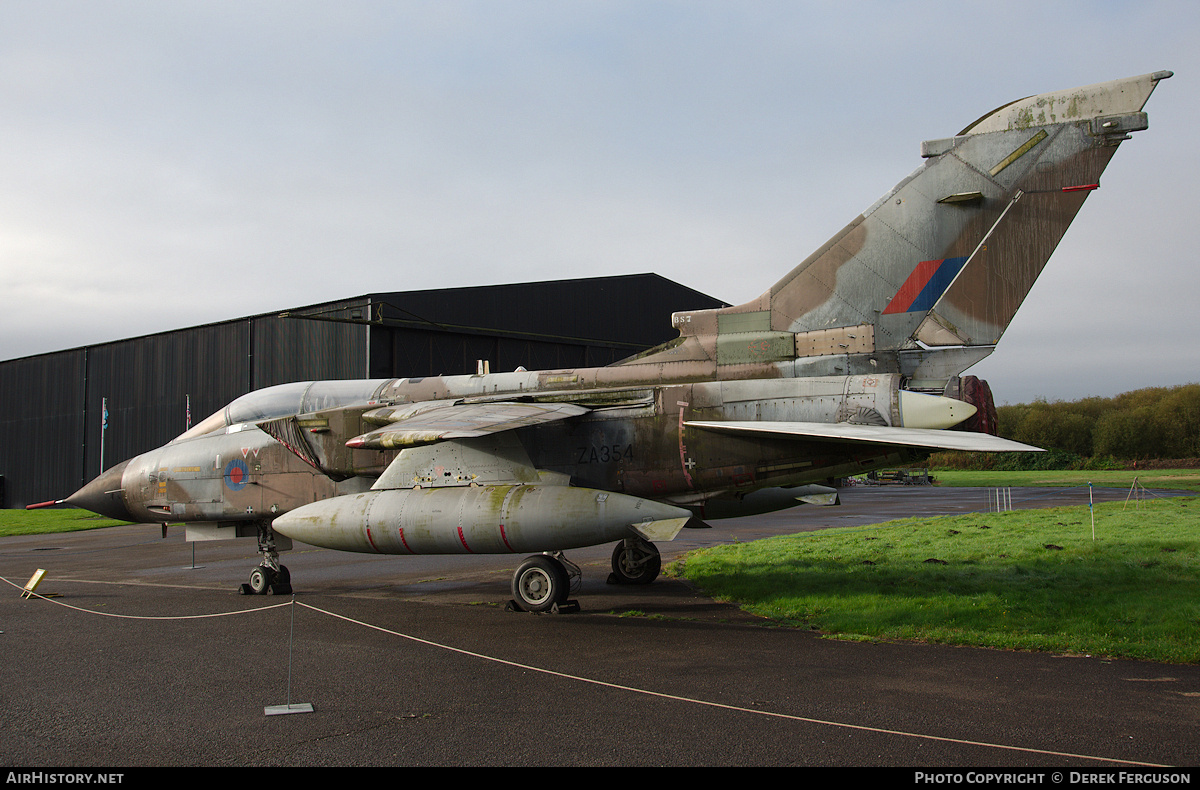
point(1144, 425)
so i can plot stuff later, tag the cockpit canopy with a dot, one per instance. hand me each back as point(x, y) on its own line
point(285, 400)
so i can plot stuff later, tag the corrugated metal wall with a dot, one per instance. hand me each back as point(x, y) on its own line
point(407, 351)
point(300, 349)
point(41, 425)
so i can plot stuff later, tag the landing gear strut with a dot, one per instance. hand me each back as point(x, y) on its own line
point(543, 582)
point(635, 561)
point(269, 578)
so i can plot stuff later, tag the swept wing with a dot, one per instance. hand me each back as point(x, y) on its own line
point(871, 434)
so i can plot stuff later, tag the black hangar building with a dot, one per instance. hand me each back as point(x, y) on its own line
point(53, 436)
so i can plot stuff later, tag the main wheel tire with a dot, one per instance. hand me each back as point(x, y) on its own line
point(540, 583)
point(639, 564)
point(260, 580)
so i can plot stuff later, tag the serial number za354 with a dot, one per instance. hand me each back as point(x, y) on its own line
point(606, 453)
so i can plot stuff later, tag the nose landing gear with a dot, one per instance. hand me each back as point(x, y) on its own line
point(269, 578)
point(268, 581)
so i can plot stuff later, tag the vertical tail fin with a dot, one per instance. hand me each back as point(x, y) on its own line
point(948, 255)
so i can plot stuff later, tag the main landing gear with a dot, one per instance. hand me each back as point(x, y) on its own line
point(635, 561)
point(543, 582)
point(269, 578)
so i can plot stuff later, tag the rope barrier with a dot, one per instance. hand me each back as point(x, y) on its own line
point(607, 684)
point(139, 616)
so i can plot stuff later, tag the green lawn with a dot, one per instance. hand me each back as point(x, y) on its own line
point(1031, 580)
point(36, 522)
point(1185, 479)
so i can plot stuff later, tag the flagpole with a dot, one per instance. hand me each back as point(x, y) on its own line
point(103, 428)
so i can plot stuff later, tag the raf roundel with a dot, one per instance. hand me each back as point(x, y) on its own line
point(237, 474)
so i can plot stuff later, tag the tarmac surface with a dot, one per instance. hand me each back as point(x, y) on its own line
point(141, 659)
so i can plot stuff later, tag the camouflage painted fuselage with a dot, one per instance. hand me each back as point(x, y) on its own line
point(850, 362)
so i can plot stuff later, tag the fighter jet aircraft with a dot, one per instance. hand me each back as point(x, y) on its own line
point(852, 361)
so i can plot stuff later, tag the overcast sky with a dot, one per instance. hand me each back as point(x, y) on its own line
point(166, 164)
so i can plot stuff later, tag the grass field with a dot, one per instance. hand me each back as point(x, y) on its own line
point(1175, 479)
point(1028, 580)
point(37, 522)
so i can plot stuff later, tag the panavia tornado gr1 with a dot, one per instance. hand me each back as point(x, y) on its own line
point(852, 361)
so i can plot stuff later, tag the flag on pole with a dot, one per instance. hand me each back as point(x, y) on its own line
point(103, 429)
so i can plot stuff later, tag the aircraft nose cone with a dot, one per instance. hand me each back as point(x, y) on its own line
point(104, 495)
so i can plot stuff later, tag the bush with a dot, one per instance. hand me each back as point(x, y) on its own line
point(1007, 462)
point(1092, 433)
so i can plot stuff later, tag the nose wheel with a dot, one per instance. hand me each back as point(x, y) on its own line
point(268, 581)
point(269, 578)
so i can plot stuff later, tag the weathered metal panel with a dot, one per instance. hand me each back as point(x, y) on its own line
point(843, 340)
point(759, 321)
point(742, 348)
